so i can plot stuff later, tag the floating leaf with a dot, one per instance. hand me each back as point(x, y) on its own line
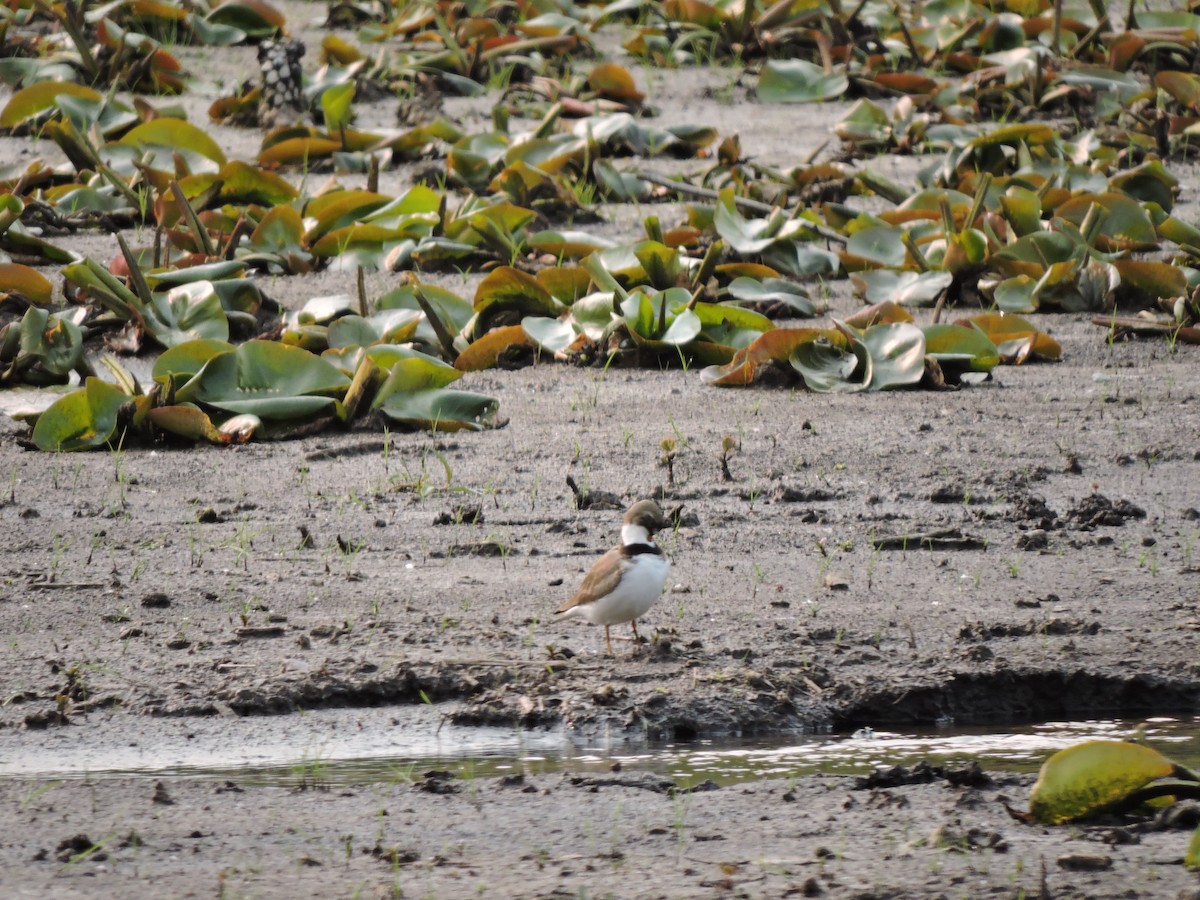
point(788, 294)
point(187, 421)
point(485, 352)
point(553, 335)
point(1015, 338)
point(828, 368)
point(186, 313)
point(1088, 778)
point(186, 359)
point(799, 81)
point(82, 420)
point(29, 102)
point(906, 288)
point(269, 379)
point(336, 105)
point(25, 283)
point(405, 398)
point(614, 81)
point(880, 245)
point(957, 347)
point(776, 346)
point(897, 355)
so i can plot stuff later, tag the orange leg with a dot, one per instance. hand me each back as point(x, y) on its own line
point(637, 641)
point(608, 640)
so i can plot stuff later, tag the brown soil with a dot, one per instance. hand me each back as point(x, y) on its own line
point(1043, 535)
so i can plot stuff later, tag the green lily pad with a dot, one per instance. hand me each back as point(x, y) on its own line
point(829, 368)
point(799, 81)
point(186, 359)
point(83, 420)
point(269, 379)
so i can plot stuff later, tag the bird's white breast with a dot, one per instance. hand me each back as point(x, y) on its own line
point(642, 581)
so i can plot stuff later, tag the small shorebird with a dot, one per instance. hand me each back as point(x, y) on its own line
point(626, 580)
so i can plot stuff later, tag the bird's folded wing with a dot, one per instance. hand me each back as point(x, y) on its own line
point(601, 580)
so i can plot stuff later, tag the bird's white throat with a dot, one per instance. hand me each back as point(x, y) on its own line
point(634, 534)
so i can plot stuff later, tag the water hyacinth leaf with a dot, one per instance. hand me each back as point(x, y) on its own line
point(254, 18)
point(1183, 87)
point(646, 314)
point(565, 283)
point(337, 105)
point(510, 341)
point(55, 342)
point(1150, 279)
point(271, 380)
point(886, 312)
point(799, 81)
point(573, 244)
point(802, 259)
point(1088, 778)
point(179, 137)
point(865, 124)
point(1015, 338)
point(730, 326)
point(30, 102)
point(244, 183)
point(660, 262)
point(1124, 226)
point(25, 283)
point(1016, 295)
point(1031, 254)
point(831, 368)
point(897, 355)
point(216, 272)
point(440, 410)
point(623, 187)
point(188, 421)
point(509, 289)
point(614, 81)
point(185, 313)
point(392, 326)
point(959, 347)
point(82, 420)
point(915, 289)
point(552, 335)
point(593, 313)
point(186, 359)
point(298, 151)
point(880, 245)
point(1022, 209)
point(775, 346)
point(410, 370)
point(744, 235)
point(771, 291)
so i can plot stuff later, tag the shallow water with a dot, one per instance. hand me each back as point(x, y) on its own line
point(339, 747)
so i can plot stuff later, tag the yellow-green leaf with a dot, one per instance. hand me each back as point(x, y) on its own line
point(1088, 778)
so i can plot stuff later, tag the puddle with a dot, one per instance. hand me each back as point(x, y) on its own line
point(340, 747)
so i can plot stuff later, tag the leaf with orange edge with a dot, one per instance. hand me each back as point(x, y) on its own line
point(487, 351)
point(298, 151)
point(25, 283)
point(886, 312)
point(1015, 338)
point(614, 82)
point(29, 102)
point(773, 346)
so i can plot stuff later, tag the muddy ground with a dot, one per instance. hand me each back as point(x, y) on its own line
point(1040, 541)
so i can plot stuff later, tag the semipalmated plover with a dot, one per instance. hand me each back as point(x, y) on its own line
point(626, 580)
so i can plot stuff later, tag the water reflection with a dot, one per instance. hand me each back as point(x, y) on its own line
point(344, 748)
